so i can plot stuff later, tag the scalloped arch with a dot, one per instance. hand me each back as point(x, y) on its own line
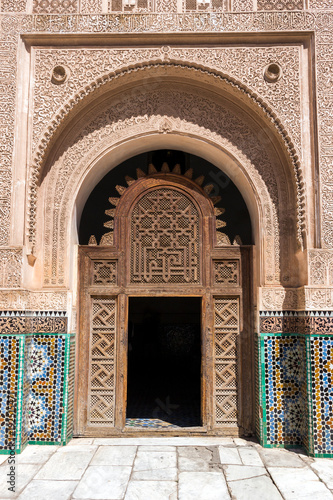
point(81, 100)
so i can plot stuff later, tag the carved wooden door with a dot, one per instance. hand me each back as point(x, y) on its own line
point(164, 241)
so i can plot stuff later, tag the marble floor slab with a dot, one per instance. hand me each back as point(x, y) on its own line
point(166, 468)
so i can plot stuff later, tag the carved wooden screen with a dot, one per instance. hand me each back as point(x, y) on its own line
point(102, 362)
point(165, 239)
point(226, 330)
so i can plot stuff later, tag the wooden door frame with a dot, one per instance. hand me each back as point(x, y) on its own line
point(122, 289)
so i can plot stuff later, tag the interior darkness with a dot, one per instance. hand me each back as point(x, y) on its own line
point(236, 214)
point(164, 359)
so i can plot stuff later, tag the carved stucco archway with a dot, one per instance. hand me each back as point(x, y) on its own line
point(181, 114)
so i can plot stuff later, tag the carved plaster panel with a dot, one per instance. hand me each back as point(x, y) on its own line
point(278, 299)
point(55, 6)
point(91, 6)
point(242, 5)
point(13, 5)
point(280, 4)
point(33, 301)
point(145, 113)
point(246, 64)
point(320, 267)
point(8, 74)
point(320, 4)
point(10, 268)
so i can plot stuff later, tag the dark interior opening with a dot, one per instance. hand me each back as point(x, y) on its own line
point(164, 362)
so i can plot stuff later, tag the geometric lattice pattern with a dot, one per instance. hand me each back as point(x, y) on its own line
point(280, 5)
point(55, 6)
point(11, 348)
point(165, 239)
point(226, 330)
point(47, 381)
point(226, 272)
point(102, 362)
point(104, 272)
point(35, 394)
point(320, 355)
point(285, 403)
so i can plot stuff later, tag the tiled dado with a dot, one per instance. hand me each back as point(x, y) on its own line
point(33, 322)
point(308, 322)
point(294, 381)
point(36, 390)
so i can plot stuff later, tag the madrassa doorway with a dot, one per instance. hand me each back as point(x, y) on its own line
point(165, 323)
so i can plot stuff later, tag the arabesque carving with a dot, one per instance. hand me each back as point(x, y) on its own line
point(129, 117)
point(10, 268)
point(283, 135)
point(33, 301)
point(321, 267)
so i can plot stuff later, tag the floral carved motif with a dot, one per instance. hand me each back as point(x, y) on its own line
point(147, 54)
point(10, 268)
point(33, 301)
point(91, 6)
point(280, 4)
point(13, 5)
point(321, 267)
point(188, 114)
point(55, 6)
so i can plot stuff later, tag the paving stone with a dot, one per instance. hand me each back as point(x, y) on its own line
point(151, 490)
point(103, 482)
point(324, 468)
point(67, 463)
point(3, 459)
point(165, 441)
point(296, 484)
point(150, 460)
point(157, 448)
point(243, 442)
point(202, 486)
point(277, 457)
point(256, 488)
point(167, 474)
point(194, 458)
point(80, 441)
point(229, 455)
point(236, 472)
point(24, 474)
point(36, 454)
point(250, 456)
point(114, 455)
point(48, 490)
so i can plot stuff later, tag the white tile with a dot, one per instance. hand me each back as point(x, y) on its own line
point(256, 488)
point(165, 474)
point(324, 468)
point(229, 455)
point(165, 441)
point(23, 474)
point(103, 482)
point(114, 455)
point(243, 442)
point(48, 490)
point(194, 458)
point(80, 441)
point(202, 486)
point(250, 456)
point(149, 460)
point(277, 457)
point(36, 454)
point(157, 448)
point(151, 490)
point(237, 472)
point(67, 463)
point(4, 458)
point(297, 484)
